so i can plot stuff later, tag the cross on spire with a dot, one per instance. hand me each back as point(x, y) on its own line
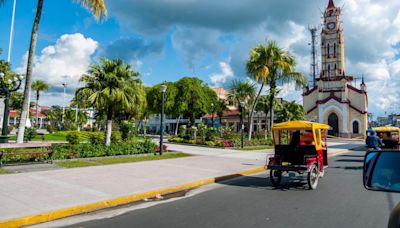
point(331, 4)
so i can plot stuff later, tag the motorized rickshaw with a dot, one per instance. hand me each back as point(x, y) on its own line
point(389, 136)
point(300, 147)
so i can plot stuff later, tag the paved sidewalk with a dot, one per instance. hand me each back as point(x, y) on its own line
point(30, 193)
point(35, 192)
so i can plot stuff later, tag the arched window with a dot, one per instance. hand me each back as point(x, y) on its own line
point(356, 127)
point(329, 70)
point(334, 50)
point(327, 52)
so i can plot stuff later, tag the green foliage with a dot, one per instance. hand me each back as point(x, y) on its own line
point(116, 137)
point(16, 100)
point(227, 132)
point(194, 97)
point(202, 131)
point(242, 91)
point(73, 138)
point(127, 129)
point(212, 134)
point(290, 111)
point(210, 143)
point(30, 133)
point(182, 131)
point(113, 89)
point(96, 138)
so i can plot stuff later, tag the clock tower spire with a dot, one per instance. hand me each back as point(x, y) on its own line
point(332, 44)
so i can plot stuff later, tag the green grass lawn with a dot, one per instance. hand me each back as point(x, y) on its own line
point(3, 171)
point(57, 136)
point(255, 148)
point(117, 160)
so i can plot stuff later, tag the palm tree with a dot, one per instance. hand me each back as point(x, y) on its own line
point(111, 88)
point(39, 86)
point(258, 67)
point(242, 91)
point(281, 70)
point(97, 7)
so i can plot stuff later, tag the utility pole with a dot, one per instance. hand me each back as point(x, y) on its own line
point(11, 32)
point(313, 31)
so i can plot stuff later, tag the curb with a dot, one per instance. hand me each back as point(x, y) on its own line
point(66, 212)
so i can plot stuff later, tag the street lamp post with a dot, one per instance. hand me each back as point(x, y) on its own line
point(212, 114)
point(241, 123)
point(163, 90)
point(64, 84)
point(11, 85)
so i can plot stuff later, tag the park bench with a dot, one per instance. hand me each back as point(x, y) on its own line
point(30, 154)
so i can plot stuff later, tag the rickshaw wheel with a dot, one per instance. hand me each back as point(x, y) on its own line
point(312, 178)
point(275, 177)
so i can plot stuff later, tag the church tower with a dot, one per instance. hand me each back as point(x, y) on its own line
point(332, 43)
point(335, 99)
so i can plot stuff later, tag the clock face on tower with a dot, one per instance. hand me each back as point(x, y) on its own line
point(331, 25)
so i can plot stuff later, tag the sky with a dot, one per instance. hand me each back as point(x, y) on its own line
point(165, 40)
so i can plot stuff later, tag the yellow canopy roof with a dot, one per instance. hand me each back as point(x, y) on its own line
point(386, 129)
point(299, 125)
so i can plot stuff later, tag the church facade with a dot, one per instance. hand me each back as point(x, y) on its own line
point(334, 99)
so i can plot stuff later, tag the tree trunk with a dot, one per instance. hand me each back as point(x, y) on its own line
point(28, 80)
point(252, 112)
point(108, 134)
point(177, 125)
point(271, 107)
point(37, 109)
point(266, 123)
point(109, 126)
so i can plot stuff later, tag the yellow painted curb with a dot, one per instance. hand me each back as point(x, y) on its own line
point(66, 212)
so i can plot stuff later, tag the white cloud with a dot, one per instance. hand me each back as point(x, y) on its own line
point(66, 60)
point(226, 73)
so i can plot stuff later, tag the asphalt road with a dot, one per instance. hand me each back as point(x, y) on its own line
point(339, 201)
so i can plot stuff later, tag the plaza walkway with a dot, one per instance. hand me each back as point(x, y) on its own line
point(30, 193)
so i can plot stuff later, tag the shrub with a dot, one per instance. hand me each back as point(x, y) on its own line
point(260, 134)
point(210, 143)
point(212, 134)
point(175, 139)
point(72, 138)
point(182, 131)
point(149, 146)
point(127, 130)
point(202, 130)
point(115, 137)
point(165, 148)
point(30, 133)
point(227, 132)
point(96, 138)
point(192, 141)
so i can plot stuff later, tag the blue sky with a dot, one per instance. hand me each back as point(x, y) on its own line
point(165, 40)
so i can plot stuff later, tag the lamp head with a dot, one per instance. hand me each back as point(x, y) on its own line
point(163, 88)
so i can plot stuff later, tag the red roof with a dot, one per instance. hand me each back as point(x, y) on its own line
point(331, 4)
point(14, 113)
point(226, 114)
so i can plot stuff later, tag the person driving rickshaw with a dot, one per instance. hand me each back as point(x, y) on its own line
point(300, 147)
point(389, 136)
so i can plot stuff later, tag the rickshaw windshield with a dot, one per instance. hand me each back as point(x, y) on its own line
point(293, 137)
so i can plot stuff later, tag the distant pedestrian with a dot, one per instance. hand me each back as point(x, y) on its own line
point(374, 142)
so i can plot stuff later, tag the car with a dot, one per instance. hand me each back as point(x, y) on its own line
point(381, 172)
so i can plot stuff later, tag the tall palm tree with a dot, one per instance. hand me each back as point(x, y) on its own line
point(270, 65)
point(258, 67)
point(39, 86)
point(281, 70)
point(97, 7)
point(111, 88)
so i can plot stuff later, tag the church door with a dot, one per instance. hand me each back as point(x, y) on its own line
point(333, 121)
